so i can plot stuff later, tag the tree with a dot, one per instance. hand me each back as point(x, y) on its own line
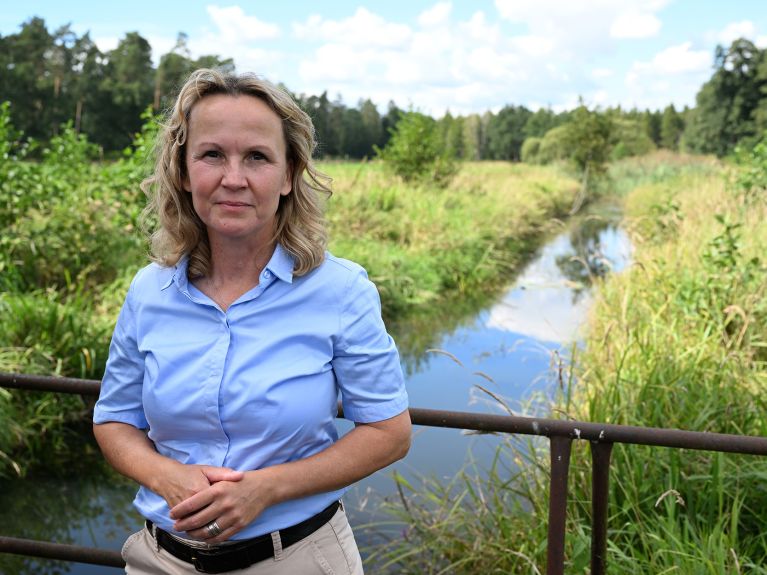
point(416, 151)
point(540, 122)
point(671, 128)
point(129, 81)
point(26, 78)
point(372, 127)
point(588, 137)
point(727, 106)
point(506, 133)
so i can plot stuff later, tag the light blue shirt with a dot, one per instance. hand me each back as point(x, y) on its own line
point(256, 385)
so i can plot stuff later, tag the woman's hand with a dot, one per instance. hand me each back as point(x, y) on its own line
point(177, 482)
point(233, 505)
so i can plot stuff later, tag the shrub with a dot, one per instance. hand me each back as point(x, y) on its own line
point(416, 151)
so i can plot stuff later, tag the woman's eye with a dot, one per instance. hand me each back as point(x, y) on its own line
point(256, 156)
point(211, 154)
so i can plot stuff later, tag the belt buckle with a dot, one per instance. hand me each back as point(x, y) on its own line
point(199, 563)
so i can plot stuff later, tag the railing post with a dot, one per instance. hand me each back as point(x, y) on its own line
point(560, 466)
point(600, 485)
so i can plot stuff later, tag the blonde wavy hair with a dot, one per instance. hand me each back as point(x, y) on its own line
point(300, 227)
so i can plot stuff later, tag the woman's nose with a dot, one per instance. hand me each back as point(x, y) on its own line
point(234, 175)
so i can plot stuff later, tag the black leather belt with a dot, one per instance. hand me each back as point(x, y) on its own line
point(241, 554)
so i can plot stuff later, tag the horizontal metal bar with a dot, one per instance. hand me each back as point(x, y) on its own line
point(48, 383)
point(47, 550)
point(599, 432)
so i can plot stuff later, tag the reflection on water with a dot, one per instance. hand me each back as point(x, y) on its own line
point(92, 509)
point(485, 344)
point(504, 350)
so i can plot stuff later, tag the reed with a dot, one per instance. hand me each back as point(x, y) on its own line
point(678, 340)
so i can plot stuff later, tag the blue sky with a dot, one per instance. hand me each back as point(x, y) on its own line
point(462, 56)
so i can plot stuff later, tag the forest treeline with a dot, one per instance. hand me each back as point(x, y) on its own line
point(54, 77)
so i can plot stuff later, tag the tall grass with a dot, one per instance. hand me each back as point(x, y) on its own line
point(420, 242)
point(678, 340)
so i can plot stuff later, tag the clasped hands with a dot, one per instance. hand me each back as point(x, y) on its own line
point(198, 495)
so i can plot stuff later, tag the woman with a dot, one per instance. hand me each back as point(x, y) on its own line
point(231, 349)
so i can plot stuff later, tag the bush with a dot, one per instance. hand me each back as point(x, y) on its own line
point(416, 151)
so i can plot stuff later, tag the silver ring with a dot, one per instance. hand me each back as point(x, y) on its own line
point(213, 529)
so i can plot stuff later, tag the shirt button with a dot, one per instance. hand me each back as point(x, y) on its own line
point(267, 274)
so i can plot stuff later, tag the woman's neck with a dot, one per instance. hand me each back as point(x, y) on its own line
point(233, 272)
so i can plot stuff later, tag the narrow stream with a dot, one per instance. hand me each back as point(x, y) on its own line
point(507, 348)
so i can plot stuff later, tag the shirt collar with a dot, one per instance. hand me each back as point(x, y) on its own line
point(280, 264)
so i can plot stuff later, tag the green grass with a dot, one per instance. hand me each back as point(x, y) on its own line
point(420, 243)
point(677, 340)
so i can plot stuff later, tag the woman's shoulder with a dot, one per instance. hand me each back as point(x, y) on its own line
point(339, 271)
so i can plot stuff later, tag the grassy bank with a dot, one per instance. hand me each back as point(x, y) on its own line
point(420, 243)
point(70, 245)
point(678, 340)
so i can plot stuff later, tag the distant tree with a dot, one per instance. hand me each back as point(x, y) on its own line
point(628, 137)
point(506, 132)
point(451, 128)
point(553, 146)
point(416, 151)
point(25, 77)
point(652, 124)
point(540, 122)
point(728, 104)
point(389, 121)
point(372, 127)
point(472, 137)
point(175, 67)
point(589, 139)
point(531, 148)
point(671, 128)
point(129, 81)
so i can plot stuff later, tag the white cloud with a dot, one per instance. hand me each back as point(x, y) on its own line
point(586, 23)
point(106, 43)
point(675, 73)
point(437, 15)
point(674, 60)
point(735, 30)
point(599, 73)
point(635, 25)
point(235, 26)
point(362, 29)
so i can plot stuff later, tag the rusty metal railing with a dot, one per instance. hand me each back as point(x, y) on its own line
point(601, 436)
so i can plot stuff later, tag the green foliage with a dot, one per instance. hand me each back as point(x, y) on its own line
point(677, 340)
point(730, 107)
point(417, 153)
point(552, 147)
point(506, 133)
point(531, 150)
point(751, 176)
point(589, 139)
point(628, 138)
point(671, 128)
point(68, 229)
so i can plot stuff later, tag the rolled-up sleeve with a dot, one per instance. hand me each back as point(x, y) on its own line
point(120, 398)
point(366, 361)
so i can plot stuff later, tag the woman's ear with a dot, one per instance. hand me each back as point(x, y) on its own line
point(288, 187)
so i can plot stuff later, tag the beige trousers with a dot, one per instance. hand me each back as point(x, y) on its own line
point(331, 550)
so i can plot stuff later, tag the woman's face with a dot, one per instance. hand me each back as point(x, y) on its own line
point(236, 167)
